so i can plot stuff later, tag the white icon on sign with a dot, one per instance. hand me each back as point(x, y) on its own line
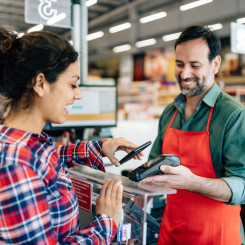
point(45, 9)
point(48, 13)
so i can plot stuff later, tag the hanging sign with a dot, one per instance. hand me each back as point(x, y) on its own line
point(238, 38)
point(48, 12)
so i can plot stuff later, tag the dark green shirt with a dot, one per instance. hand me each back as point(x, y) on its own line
point(227, 135)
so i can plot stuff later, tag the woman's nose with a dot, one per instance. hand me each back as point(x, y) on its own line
point(78, 94)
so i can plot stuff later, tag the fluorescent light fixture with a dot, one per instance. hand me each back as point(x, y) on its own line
point(171, 37)
point(241, 20)
point(194, 4)
point(215, 27)
point(153, 17)
point(121, 27)
point(90, 2)
point(95, 35)
point(145, 43)
point(56, 18)
point(121, 48)
point(36, 28)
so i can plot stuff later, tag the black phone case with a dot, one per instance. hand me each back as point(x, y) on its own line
point(134, 152)
point(142, 172)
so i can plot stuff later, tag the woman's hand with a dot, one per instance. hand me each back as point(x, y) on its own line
point(109, 148)
point(109, 201)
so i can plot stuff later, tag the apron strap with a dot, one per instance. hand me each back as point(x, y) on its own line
point(209, 118)
point(170, 124)
point(208, 123)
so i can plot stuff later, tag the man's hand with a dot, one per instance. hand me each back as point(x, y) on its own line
point(175, 177)
point(109, 148)
point(182, 178)
point(109, 201)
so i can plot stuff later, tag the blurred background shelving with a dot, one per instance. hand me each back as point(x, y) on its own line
point(234, 86)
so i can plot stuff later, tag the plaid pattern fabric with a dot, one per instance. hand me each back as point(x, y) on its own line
point(38, 204)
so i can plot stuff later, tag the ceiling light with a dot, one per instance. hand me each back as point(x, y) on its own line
point(241, 20)
point(36, 28)
point(121, 27)
point(194, 4)
point(56, 18)
point(90, 2)
point(153, 17)
point(145, 43)
point(171, 37)
point(121, 48)
point(215, 26)
point(94, 35)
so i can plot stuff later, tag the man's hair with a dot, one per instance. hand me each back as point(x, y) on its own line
point(195, 32)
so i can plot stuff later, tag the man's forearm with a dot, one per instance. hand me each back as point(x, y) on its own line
point(216, 189)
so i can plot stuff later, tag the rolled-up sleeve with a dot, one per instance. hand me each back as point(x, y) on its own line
point(234, 156)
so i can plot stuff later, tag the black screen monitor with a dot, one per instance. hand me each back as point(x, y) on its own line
point(96, 109)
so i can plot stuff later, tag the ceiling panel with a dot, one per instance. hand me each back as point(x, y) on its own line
point(107, 13)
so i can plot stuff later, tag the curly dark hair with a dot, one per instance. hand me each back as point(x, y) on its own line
point(22, 59)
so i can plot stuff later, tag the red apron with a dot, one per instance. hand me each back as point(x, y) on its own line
point(190, 218)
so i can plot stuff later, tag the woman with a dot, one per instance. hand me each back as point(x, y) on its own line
point(39, 78)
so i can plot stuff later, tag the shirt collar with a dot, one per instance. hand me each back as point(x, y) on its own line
point(212, 95)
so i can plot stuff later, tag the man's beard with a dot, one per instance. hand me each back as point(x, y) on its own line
point(199, 89)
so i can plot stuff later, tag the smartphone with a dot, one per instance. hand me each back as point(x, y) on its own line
point(154, 164)
point(134, 152)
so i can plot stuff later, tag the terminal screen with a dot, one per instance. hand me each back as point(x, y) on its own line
point(97, 108)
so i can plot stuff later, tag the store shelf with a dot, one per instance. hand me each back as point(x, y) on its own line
point(234, 91)
point(162, 93)
point(134, 98)
point(231, 80)
point(145, 99)
point(166, 96)
point(233, 85)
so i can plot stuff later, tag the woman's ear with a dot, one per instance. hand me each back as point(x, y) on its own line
point(40, 84)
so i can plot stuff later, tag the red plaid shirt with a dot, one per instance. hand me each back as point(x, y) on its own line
point(38, 204)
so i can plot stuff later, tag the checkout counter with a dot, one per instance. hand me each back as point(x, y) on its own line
point(136, 221)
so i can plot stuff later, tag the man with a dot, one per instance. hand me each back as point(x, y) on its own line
point(206, 129)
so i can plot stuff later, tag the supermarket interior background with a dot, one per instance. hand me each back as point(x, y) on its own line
point(130, 46)
point(129, 59)
point(130, 49)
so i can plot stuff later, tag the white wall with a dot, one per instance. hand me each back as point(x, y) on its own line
point(138, 132)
